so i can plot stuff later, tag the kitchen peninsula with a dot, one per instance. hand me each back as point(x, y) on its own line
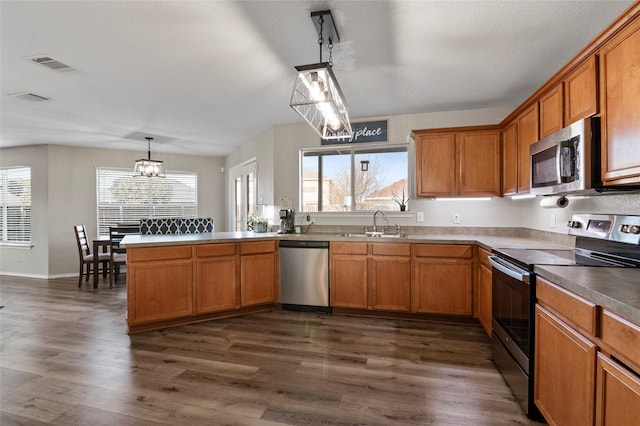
point(179, 279)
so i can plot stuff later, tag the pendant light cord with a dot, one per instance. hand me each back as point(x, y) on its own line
point(149, 147)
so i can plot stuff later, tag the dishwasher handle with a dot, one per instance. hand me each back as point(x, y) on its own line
point(304, 244)
point(509, 269)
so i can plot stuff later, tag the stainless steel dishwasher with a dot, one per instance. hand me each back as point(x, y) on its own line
point(304, 275)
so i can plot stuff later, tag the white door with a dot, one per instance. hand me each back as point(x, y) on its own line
point(242, 194)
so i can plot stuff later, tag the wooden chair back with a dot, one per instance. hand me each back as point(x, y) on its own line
point(81, 238)
point(117, 233)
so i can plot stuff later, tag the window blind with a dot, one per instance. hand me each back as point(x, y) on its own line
point(123, 198)
point(15, 194)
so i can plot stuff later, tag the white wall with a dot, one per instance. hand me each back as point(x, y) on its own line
point(64, 194)
point(277, 153)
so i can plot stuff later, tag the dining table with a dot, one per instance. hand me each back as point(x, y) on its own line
point(100, 243)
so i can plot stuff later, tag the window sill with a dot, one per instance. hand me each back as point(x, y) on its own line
point(27, 246)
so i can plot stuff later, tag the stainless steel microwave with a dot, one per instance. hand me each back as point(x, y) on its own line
point(567, 161)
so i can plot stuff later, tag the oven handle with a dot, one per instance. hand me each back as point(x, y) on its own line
point(509, 269)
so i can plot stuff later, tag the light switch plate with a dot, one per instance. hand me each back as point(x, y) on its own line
point(419, 216)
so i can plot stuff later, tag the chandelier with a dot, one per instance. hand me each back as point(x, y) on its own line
point(148, 167)
point(317, 96)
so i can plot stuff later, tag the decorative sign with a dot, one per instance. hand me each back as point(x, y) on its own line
point(368, 131)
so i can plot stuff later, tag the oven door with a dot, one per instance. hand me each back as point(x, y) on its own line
point(512, 318)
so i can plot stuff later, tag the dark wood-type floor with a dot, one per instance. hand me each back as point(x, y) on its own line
point(66, 360)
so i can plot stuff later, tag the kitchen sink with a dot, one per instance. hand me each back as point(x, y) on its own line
point(374, 235)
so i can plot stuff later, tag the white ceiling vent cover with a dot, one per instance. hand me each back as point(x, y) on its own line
point(51, 63)
point(27, 96)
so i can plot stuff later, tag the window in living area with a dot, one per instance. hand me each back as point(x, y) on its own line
point(15, 196)
point(344, 179)
point(123, 198)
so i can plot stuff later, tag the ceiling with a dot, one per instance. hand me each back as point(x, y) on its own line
point(204, 77)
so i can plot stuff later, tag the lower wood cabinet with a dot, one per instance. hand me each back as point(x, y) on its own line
point(617, 394)
point(564, 372)
point(160, 292)
point(586, 361)
point(258, 278)
point(173, 285)
point(442, 279)
point(390, 278)
point(349, 279)
point(216, 278)
point(484, 292)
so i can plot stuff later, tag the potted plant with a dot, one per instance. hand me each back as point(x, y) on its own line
point(402, 201)
point(257, 224)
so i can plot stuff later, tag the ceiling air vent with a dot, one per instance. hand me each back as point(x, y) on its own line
point(27, 96)
point(51, 63)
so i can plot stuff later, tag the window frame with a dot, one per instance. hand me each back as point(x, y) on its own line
point(353, 151)
point(187, 209)
point(5, 230)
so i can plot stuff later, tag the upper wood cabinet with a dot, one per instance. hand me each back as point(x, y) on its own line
point(510, 159)
point(527, 134)
point(620, 107)
point(551, 111)
point(458, 162)
point(581, 91)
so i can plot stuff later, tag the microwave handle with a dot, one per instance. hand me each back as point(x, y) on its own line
point(509, 269)
point(561, 171)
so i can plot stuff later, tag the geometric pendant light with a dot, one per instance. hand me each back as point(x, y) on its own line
point(148, 167)
point(317, 96)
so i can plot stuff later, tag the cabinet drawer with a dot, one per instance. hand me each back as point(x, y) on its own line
point(212, 250)
point(578, 311)
point(391, 249)
point(483, 257)
point(152, 254)
point(622, 336)
point(442, 250)
point(348, 248)
point(257, 247)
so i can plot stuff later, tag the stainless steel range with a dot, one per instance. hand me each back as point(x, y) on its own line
point(601, 241)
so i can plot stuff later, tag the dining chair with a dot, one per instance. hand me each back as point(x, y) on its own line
point(86, 257)
point(118, 253)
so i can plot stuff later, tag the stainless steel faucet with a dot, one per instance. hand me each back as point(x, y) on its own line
point(375, 227)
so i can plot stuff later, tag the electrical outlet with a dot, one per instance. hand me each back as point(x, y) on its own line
point(552, 220)
point(456, 218)
point(419, 216)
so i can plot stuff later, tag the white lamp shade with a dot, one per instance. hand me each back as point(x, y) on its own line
point(317, 97)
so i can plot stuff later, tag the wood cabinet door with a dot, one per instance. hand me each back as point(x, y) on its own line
point(160, 290)
point(551, 111)
point(479, 169)
point(441, 286)
point(390, 283)
point(581, 92)
point(484, 297)
point(216, 284)
point(510, 159)
point(527, 131)
point(436, 165)
point(565, 365)
point(348, 281)
point(620, 107)
point(258, 276)
point(617, 394)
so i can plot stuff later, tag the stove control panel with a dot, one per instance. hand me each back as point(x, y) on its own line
point(619, 228)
